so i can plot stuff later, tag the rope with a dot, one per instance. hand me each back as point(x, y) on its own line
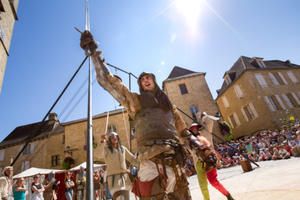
point(38, 131)
point(72, 99)
point(126, 131)
point(106, 126)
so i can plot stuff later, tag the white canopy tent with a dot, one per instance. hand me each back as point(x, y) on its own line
point(33, 171)
point(84, 166)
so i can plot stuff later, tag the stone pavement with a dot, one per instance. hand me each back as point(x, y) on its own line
point(273, 180)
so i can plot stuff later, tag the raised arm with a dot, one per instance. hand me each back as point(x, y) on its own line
point(109, 82)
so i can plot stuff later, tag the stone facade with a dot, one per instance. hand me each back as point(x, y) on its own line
point(196, 98)
point(7, 20)
point(50, 151)
point(259, 98)
point(75, 133)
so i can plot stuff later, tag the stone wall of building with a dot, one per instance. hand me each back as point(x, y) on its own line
point(255, 94)
point(75, 134)
point(198, 95)
point(6, 29)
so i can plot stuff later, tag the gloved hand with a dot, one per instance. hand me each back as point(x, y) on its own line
point(87, 42)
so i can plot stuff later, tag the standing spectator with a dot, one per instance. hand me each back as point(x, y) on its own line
point(96, 183)
point(37, 189)
point(69, 184)
point(102, 186)
point(54, 189)
point(20, 189)
point(6, 183)
point(80, 184)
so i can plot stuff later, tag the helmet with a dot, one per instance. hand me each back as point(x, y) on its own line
point(194, 125)
point(112, 134)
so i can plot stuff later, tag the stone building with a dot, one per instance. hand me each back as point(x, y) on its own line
point(189, 91)
point(256, 94)
point(59, 141)
point(8, 16)
point(40, 149)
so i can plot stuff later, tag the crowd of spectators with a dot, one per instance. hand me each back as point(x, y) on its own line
point(263, 145)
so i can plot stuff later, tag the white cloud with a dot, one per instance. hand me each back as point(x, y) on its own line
point(162, 63)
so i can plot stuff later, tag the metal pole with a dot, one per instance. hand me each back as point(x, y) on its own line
point(87, 17)
point(89, 139)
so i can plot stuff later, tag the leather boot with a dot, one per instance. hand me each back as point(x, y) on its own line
point(229, 197)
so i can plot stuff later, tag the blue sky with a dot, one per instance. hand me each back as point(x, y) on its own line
point(150, 35)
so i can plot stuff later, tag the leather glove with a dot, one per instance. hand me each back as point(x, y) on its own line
point(87, 42)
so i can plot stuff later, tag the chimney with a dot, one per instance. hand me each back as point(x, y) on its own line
point(53, 117)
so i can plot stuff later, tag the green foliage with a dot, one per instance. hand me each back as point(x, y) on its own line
point(289, 120)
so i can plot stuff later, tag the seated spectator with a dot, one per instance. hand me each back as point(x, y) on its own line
point(296, 148)
point(268, 155)
point(276, 155)
point(283, 152)
point(262, 156)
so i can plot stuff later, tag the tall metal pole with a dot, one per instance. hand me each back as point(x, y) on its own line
point(89, 139)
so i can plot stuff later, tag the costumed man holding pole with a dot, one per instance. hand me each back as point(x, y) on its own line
point(159, 130)
point(203, 132)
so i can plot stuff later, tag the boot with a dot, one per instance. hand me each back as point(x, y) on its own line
point(229, 197)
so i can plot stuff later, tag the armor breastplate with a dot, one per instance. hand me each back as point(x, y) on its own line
point(152, 124)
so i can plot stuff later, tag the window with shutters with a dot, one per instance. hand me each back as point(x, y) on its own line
point(296, 98)
point(63, 139)
point(29, 149)
point(288, 101)
point(292, 100)
point(183, 89)
point(292, 76)
point(238, 91)
point(227, 79)
point(273, 103)
point(261, 80)
point(194, 110)
point(281, 78)
point(277, 96)
point(261, 64)
point(2, 153)
point(248, 112)
point(55, 160)
point(25, 165)
point(225, 102)
point(274, 79)
point(234, 120)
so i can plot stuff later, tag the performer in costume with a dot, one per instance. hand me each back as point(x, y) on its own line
point(159, 130)
point(115, 156)
point(204, 172)
point(6, 183)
